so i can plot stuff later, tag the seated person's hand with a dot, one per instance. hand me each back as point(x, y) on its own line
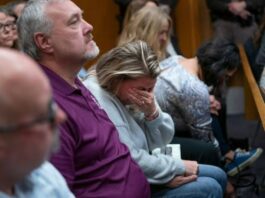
point(236, 7)
point(191, 167)
point(215, 105)
point(144, 100)
point(180, 180)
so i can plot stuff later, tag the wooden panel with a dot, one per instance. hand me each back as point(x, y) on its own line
point(184, 28)
point(253, 98)
point(3, 2)
point(204, 22)
point(251, 112)
point(193, 25)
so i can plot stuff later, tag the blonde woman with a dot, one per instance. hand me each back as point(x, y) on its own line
point(151, 25)
point(124, 86)
point(136, 5)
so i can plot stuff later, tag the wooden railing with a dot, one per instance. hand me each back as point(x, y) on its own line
point(254, 103)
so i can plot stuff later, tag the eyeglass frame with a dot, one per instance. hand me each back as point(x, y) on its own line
point(50, 118)
point(4, 26)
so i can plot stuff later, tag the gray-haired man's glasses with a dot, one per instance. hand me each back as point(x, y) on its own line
point(50, 118)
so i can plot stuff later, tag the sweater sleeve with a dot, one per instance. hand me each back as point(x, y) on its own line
point(160, 168)
point(160, 131)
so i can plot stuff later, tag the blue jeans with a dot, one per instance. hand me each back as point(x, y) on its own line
point(211, 183)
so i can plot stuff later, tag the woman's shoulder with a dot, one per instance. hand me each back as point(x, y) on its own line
point(171, 61)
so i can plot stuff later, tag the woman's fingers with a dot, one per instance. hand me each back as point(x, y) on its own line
point(144, 100)
point(180, 180)
point(136, 100)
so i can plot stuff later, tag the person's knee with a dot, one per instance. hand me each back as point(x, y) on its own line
point(214, 172)
point(211, 188)
point(221, 177)
point(203, 187)
point(215, 189)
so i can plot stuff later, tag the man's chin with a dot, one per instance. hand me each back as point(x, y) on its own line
point(92, 53)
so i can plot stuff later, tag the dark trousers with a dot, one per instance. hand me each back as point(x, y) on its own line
point(218, 133)
point(202, 152)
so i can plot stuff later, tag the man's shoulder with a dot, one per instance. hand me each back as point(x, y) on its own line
point(48, 174)
point(44, 181)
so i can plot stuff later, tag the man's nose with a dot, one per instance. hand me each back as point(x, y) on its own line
point(87, 27)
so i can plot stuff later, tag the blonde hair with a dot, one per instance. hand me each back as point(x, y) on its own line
point(145, 25)
point(129, 61)
point(133, 7)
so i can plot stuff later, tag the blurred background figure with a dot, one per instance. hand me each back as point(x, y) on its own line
point(17, 6)
point(235, 20)
point(167, 6)
point(151, 25)
point(8, 29)
point(28, 130)
point(135, 6)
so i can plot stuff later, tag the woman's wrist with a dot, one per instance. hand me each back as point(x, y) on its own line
point(153, 115)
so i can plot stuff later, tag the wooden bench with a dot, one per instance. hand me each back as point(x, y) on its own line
point(254, 103)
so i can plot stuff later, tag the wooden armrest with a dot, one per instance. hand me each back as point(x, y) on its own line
point(254, 88)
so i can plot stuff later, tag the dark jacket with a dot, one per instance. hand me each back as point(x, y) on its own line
point(219, 10)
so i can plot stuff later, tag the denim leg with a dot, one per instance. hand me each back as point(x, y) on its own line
point(211, 183)
point(203, 187)
point(214, 172)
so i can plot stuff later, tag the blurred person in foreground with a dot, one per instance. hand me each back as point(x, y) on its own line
point(28, 135)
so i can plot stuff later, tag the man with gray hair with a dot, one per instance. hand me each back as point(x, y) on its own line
point(28, 119)
point(91, 157)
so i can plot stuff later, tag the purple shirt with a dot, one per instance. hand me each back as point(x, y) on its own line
point(91, 157)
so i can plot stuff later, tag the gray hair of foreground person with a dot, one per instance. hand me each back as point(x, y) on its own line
point(129, 61)
point(26, 137)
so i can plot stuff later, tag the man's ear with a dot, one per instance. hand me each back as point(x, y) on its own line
point(43, 42)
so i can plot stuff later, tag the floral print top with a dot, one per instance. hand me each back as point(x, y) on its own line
point(186, 98)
